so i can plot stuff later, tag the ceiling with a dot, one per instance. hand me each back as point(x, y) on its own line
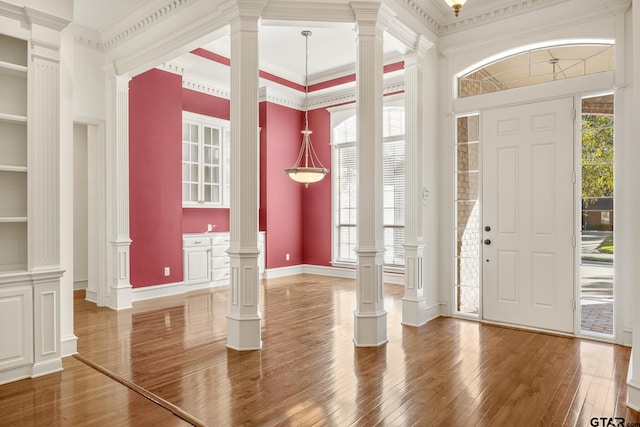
point(282, 50)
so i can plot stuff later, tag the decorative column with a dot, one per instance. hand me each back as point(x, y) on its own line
point(370, 318)
point(243, 320)
point(633, 378)
point(119, 283)
point(43, 181)
point(414, 308)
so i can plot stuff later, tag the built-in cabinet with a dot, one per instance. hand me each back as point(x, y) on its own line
point(206, 262)
point(13, 153)
point(30, 343)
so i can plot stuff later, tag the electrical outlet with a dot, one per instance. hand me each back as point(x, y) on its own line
point(286, 257)
point(167, 271)
point(209, 227)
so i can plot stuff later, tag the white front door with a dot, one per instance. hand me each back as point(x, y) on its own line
point(527, 216)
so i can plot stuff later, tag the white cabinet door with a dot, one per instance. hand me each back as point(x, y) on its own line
point(16, 326)
point(197, 259)
point(196, 265)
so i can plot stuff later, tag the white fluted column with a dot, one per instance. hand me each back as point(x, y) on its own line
point(43, 164)
point(243, 319)
point(370, 317)
point(633, 379)
point(119, 280)
point(414, 309)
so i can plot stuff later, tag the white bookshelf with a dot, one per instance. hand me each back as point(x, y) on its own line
point(13, 153)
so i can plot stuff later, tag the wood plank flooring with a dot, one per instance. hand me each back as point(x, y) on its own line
point(448, 372)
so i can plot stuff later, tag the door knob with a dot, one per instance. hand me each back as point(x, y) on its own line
point(487, 241)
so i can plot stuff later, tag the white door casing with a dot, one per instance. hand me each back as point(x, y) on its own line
point(528, 265)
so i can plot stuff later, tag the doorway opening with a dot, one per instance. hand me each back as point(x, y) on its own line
point(597, 216)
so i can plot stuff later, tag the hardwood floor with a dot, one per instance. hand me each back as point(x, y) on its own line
point(448, 372)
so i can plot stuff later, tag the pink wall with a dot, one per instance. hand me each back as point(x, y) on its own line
point(316, 200)
point(207, 105)
point(283, 202)
point(195, 220)
point(155, 201)
point(297, 219)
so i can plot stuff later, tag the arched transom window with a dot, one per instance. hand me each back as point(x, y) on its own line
point(539, 65)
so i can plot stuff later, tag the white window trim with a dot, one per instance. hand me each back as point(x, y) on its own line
point(338, 115)
point(202, 119)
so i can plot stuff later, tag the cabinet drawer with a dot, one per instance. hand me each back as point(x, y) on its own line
point(219, 251)
point(220, 262)
point(220, 239)
point(221, 275)
point(196, 242)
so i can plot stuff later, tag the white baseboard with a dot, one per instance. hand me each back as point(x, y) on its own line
point(323, 270)
point(627, 337)
point(272, 273)
point(91, 296)
point(80, 284)
point(47, 367)
point(433, 311)
point(349, 273)
point(633, 387)
point(157, 291)
point(69, 346)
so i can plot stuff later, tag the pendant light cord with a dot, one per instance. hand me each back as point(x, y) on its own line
point(306, 78)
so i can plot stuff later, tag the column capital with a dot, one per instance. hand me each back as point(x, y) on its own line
point(419, 50)
point(367, 14)
point(242, 13)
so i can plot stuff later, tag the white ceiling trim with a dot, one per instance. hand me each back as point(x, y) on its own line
point(140, 20)
point(391, 85)
point(12, 11)
point(271, 95)
point(271, 92)
point(518, 8)
point(308, 11)
point(206, 88)
point(87, 37)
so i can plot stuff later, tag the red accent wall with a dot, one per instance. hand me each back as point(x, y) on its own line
point(316, 200)
point(195, 220)
point(207, 105)
point(282, 204)
point(155, 188)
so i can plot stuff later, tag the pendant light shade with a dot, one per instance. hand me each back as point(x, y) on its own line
point(456, 5)
point(307, 169)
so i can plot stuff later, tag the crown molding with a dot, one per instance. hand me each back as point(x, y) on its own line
point(12, 11)
point(204, 87)
point(308, 11)
point(173, 68)
point(347, 95)
point(87, 37)
point(141, 19)
point(269, 94)
point(496, 14)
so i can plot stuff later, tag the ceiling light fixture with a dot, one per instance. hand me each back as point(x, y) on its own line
point(456, 5)
point(307, 168)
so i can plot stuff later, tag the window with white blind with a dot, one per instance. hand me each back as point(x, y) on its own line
point(205, 161)
point(345, 191)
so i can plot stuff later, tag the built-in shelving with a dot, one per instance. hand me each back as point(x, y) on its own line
point(13, 154)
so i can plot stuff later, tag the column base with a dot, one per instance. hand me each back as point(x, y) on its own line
point(243, 333)
point(414, 311)
point(121, 297)
point(370, 329)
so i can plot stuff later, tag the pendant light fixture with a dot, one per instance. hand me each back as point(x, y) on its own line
point(307, 168)
point(456, 5)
